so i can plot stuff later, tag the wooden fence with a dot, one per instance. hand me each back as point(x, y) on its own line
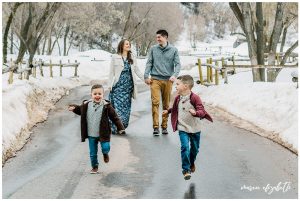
point(25, 72)
point(224, 69)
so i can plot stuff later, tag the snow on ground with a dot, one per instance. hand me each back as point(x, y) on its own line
point(271, 106)
point(27, 102)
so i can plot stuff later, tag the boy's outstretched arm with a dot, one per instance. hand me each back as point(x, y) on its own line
point(75, 108)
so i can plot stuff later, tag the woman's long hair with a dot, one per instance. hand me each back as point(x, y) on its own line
point(120, 50)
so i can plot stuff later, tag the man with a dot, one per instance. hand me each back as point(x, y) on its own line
point(163, 65)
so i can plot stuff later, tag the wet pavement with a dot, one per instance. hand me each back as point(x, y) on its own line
point(231, 162)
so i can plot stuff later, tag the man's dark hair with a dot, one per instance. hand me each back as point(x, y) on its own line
point(162, 32)
point(97, 86)
point(187, 79)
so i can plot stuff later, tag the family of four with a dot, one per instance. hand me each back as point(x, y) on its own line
point(100, 118)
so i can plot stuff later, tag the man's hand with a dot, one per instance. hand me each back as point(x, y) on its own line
point(192, 111)
point(172, 78)
point(148, 81)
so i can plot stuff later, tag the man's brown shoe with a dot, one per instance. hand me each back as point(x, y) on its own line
point(193, 168)
point(106, 158)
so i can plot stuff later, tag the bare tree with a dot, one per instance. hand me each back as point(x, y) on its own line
point(36, 19)
point(247, 20)
point(15, 6)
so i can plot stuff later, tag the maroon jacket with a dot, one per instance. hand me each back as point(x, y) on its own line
point(104, 127)
point(196, 102)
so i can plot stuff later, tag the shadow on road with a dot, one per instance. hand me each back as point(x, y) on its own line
point(190, 194)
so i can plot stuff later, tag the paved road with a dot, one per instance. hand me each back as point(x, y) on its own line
point(55, 164)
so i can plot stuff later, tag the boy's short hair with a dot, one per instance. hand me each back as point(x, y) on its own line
point(187, 79)
point(97, 86)
point(162, 32)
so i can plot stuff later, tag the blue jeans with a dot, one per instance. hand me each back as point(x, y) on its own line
point(189, 149)
point(93, 145)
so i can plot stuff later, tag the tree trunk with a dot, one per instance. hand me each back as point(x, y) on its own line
point(260, 43)
point(38, 50)
point(44, 45)
point(23, 35)
point(288, 52)
point(238, 14)
point(246, 11)
point(5, 35)
point(70, 42)
point(127, 21)
point(138, 24)
point(286, 55)
point(65, 39)
point(49, 42)
point(148, 47)
point(12, 40)
point(283, 38)
point(277, 30)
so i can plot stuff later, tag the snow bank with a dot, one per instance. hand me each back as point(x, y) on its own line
point(26, 103)
point(270, 106)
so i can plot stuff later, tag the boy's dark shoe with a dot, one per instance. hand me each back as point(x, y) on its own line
point(94, 170)
point(187, 175)
point(164, 131)
point(193, 168)
point(156, 132)
point(106, 158)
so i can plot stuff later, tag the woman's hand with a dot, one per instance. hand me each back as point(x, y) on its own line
point(192, 111)
point(165, 112)
point(148, 81)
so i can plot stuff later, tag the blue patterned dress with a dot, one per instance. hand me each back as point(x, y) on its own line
point(120, 96)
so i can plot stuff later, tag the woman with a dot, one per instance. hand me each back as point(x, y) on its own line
point(122, 81)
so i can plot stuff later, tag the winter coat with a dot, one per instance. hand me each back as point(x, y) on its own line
point(116, 67)
point(104, 127)
point(196, 102)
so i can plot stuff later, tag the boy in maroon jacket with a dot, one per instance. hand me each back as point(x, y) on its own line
point(186, 113)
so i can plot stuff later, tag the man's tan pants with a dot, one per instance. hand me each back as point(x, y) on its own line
point(160, 88)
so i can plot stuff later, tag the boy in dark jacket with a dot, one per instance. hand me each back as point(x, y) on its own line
point(186, 113)
point(95, 126)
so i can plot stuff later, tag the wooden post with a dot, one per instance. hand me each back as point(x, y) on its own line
point(216, 74)
point(233, 63)
point(211, 70)
point(225, 76)
point(207, 71)
point(11, 73)
point(51, 70)
point(277, 59)
point(76, 68)
point(200, 71)
point(41, 67)
point(60, 68)
point(34, 69)
point(19, 69)
point(26, 74)
point(222, 72)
